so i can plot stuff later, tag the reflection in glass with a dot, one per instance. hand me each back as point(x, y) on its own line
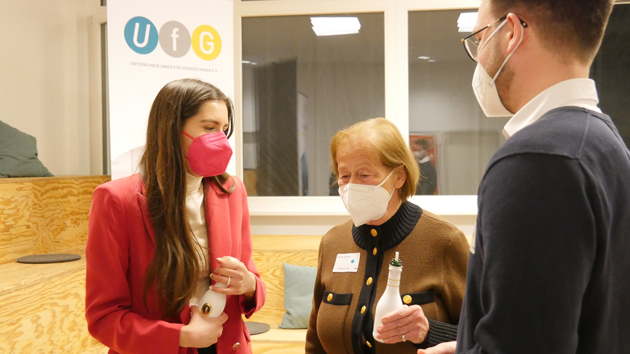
point(444, 114)
point(299, 89)
point(611, 70)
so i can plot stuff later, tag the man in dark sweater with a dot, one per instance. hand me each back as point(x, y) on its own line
point(549, 265)
point(428, 175)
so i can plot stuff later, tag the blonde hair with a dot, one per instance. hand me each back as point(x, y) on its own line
point(389, 145)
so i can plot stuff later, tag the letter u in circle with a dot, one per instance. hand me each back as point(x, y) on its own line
point(139, 42)
point(146, 35)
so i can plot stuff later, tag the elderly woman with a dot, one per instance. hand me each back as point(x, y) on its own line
point(376, 174)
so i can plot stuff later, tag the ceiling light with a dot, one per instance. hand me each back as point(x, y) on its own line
point(431, 61)
point(333, 26)
point(424, 57)
point(246, 62)
point(466, 21)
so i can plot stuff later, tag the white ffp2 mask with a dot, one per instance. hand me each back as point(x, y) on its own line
point(365, 202)
point(485, 87)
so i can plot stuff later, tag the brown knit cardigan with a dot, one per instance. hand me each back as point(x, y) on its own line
point(434, 255)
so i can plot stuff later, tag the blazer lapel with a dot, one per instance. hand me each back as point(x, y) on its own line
point(217, 223)
point(146, 216)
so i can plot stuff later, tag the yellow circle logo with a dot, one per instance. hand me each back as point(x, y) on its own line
point(206, 42)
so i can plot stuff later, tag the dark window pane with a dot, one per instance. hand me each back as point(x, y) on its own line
point(611, 70)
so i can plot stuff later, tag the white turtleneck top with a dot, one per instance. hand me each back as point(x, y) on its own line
point(196, 214)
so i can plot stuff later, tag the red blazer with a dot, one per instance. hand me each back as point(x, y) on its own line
point(120, 247)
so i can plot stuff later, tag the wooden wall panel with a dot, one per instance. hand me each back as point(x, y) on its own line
point(278, 348)
point(269, 254)
point(44, 215)
point(97, 348)
point(47, 317)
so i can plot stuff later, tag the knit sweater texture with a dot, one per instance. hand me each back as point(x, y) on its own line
point(434, 255)
point(549, 269)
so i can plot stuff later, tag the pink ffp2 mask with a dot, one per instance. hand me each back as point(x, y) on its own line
point(209, 154)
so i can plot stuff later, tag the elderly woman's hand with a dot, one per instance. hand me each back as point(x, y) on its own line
point(406, 324)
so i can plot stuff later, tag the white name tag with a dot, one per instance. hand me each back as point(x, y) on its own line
point(347, 263)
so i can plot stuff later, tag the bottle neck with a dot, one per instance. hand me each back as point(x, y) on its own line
point(393, 283)
point(393, 278)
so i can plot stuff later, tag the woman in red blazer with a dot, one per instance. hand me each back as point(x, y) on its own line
point(145, 258)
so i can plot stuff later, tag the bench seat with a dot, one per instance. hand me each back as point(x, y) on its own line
point(43, 307)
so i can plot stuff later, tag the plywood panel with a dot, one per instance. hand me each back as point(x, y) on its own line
point(269, 265)
point(46, 317)
point(278, 348)
point(17, 276)
point(97, 348)
point(44, 215)
point(286, 243)
point(280, 335)
point(280, 341)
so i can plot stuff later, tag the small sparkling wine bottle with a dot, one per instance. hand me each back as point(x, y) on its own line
point(211, 303)
point(390, 300)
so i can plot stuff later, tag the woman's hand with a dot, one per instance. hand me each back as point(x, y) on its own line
point(442, 348)
point(202, 331)
point(408, 321)
point(233, 273)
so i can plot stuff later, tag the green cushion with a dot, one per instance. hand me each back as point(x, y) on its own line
point(18, 154)
point(298, 295)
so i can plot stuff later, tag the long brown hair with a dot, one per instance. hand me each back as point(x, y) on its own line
point(175, 267)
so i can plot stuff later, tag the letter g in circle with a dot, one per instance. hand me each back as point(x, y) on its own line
point(206, 42)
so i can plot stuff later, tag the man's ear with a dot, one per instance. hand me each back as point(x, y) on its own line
point(514, 33)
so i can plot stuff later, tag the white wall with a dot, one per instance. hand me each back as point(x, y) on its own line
point(441, 99)
point(44, 87)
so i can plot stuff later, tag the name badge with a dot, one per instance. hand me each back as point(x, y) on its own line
point(347, 263)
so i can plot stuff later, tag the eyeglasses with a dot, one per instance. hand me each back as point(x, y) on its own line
point(471, 43)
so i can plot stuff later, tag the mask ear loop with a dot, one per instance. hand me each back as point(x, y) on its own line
point(386, 178)
point(509, 55)
point(191, 138)
point(491, 35)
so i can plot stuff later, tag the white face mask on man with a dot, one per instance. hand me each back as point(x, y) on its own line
point(485, 87)
point(366, 202)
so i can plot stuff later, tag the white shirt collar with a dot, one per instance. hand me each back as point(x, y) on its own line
point(574, 92)
point(193, 184)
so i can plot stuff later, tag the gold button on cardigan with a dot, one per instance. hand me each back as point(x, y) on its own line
point(434, 255)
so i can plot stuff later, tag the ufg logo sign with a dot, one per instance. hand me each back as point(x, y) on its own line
point(142, 37)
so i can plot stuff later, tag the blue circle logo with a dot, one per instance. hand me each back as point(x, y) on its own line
point(141, 35)
point(352, 261)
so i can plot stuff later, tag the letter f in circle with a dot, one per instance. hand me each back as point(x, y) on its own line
point(174, 35)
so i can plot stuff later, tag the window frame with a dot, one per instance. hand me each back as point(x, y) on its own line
point(396, 15)
point(99, 132)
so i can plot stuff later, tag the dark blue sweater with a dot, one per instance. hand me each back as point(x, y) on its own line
point(550, 272)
